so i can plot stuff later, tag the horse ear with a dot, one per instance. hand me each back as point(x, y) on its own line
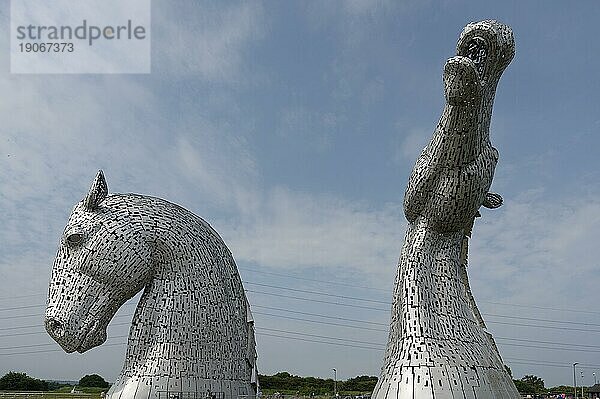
point(98, 191)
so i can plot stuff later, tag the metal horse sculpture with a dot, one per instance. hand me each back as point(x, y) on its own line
point(438, 347)
point(192, 334)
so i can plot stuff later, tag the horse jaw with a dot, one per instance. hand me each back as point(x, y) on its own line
point(95, 337)
point(83, 339)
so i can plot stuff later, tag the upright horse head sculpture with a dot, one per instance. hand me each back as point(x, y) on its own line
point(438, 346)
point(192, 332)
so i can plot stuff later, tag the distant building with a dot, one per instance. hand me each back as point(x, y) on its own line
point(594, 391)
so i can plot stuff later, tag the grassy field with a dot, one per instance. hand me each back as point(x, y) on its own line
point(90, 390)
point(62, 393)
point(291, 393)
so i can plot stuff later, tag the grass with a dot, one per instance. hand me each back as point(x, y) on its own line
point(48, 395)
point(93, 390)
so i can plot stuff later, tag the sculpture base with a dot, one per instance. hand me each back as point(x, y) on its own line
point(445, 382)
point(173, 388)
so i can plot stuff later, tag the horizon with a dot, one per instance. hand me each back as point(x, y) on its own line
point(76, 382)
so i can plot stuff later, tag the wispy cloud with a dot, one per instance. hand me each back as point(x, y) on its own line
point(208, 42)
point(409, 143)
point(295, 231)
point(537, 249)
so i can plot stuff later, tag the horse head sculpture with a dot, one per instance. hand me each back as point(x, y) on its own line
point(438, 346)
point(192, 331)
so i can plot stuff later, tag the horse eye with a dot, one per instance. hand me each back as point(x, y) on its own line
point(75, 238)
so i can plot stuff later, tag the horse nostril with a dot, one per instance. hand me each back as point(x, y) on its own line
point(54, 327)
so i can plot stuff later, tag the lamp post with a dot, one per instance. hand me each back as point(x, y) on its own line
point(575, 379)
point(335, 383)
point(595, 382)
point(582, 384)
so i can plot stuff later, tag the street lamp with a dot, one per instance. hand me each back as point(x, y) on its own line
point(582, 384)
point(335, 383)
point(575, 379)
point(595, 382)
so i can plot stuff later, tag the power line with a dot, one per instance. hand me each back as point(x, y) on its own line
point(39, 306)
point(321, 322)
point(371, 322)
point(390, 292)
point(372, 308)
point(532, 363)
point(544, 320)
point(542, 307)
point(388, 303)
point(485, 314)
point(52, 350)
point(351, 326)
point(48, 344)
point(320, 315)
point(323, 342)
point(317, 301)
point(371, 329)
point(349, 305)
point(547, 342)
point(20, 334)
point(537, 326)
point(580, 365)
point(372, 347)
point(21, 307)
point(19, 327)
point(7, 348)
point(44, 332)
point(349, 286)
point(21, 296)
point(317, 336)
point(342, 342)
point(315, 280)
point(317, 293)
point(22, 316)
point(551, 348)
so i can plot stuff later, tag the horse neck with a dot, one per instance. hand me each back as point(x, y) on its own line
point(189, 259)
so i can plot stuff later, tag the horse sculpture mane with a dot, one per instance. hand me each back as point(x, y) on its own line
point(192, 332)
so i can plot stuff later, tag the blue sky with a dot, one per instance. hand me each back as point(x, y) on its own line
point(292, 128)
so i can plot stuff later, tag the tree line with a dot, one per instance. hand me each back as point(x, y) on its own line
point(285, 382)
point(282, 382)
point(13, 381)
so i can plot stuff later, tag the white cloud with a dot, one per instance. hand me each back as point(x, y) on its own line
point(537, 250)
point(410, 144)
point(221, 170)
point(296, 231)
point(205, 41)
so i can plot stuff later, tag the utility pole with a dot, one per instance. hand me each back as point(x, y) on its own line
point(575, 379)
point(335, 383)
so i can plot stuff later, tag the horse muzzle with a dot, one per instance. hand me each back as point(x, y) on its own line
point(75, 340)
point(462, 83)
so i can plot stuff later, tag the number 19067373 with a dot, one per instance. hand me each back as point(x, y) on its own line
point(46, 47)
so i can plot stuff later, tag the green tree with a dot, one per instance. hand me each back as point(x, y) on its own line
point(13, 381)
point(530, 384)
point(285, 382)
point(363, 383)
point(534, 381)
point(93, 380)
